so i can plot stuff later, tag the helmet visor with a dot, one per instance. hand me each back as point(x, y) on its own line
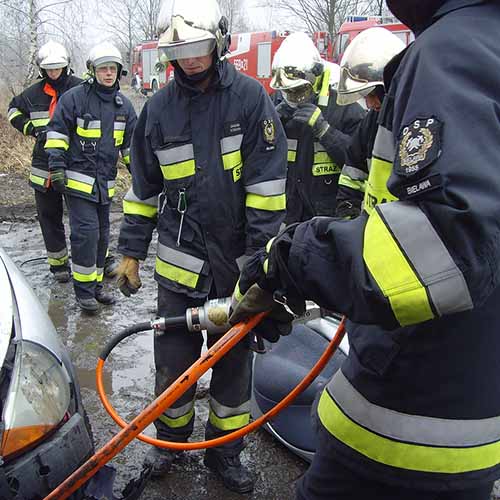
point(345, 98)
point(187, 50)
point(298, 95)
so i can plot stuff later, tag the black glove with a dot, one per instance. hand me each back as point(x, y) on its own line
point(58, 180)
point(311, 115)
point(285, 111)
point(30, 130)
point(348, 209)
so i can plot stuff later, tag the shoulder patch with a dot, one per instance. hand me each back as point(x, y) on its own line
point(419, 145)
point(269, 131)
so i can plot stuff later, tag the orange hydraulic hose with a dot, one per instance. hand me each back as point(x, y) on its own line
point(301, 386)
point(154, 410)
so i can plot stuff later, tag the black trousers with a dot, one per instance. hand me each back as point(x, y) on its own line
point(89, 222)
point(328, 479)
point(178, 349)
point(50, 210)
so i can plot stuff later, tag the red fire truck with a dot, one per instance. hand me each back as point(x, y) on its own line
point(354, 25)
point(251, 53)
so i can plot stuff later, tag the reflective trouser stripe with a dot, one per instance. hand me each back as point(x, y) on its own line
point(84, 274)
point(402, 453)
point(176, 422)
point(178, 170)
point(58, 258)
point(56, 144)
point(99, 274)
point(177, 274)
point(228, 418)
point(270, 203)
point(346, 181)
point(411, 265)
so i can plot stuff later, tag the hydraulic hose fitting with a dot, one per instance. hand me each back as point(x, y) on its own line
point(213, 316)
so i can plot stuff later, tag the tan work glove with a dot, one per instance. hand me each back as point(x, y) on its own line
point(128, 276)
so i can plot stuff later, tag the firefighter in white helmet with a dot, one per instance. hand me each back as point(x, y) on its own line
point(211, 146)
point(361, 77)
point(318, 131)
point(30, 112)
point(91, 126)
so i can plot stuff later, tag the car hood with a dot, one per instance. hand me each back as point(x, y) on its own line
point(20, 309)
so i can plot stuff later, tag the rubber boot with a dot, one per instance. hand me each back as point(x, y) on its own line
point(62, 275)
point(103, 297)
point(160, 460)
point(87, 305)
point(235, 476)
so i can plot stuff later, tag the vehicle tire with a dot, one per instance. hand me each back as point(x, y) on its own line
point(154, 87)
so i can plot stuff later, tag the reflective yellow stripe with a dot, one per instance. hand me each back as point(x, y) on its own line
point(177, 274)
point(237, 292)
point(40, 122)
point(237, 172)
point(39, 181)
point(99, 277)
point(111, 192)
point(376, 187)
point(345, 180)
point(25, 128)
point(118, 136)
point(135, 208)
point(393, 274)
point(325, 169)
point(14, 115)
point(322, 157)
point(57, 262)
point(265, 266)
point(85, 278)
point(126, 159)
point(229, 423)
point(174, 423)
point(403, 455)
point(56, 144)
point(314, 117)
point(79, 186)
point(91, 133)
point(266, 202)
point(292, 155)
point(178, 170)
point(231, 160)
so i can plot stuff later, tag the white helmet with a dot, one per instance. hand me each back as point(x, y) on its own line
point(104, 53)
point(194, 29)
point(297, 66)
point(52, 55)
point(363, 63)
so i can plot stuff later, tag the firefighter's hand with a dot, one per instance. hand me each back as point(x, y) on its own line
point(348, 209)
point(255, 301)
point(311, 115)
point(58, 180)
point(128, 276)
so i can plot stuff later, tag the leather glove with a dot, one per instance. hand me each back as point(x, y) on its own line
point(311, 115)
point(348, 210)
point(58, 180)
point(128, 276)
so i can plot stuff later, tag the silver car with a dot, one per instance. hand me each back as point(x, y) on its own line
point(44, 432)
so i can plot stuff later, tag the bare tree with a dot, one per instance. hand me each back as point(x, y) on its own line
point(147, 18)
point(236, 14)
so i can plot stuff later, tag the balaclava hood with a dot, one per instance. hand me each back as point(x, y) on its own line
point(416, 14)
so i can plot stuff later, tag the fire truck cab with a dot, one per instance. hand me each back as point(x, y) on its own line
point(354, 25)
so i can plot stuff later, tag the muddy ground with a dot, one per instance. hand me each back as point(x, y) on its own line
point(129, 374)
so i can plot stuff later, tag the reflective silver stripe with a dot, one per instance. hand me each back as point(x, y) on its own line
point(267, 188)
point(230, 144)
point(354, 173)
point(131, 196)
point(175, 155)
point(227, 411)
point(12, 111)
point(383, 147)
point(39, 172)
point(77, 176)
point(119, 125)
point(241, 261)
point(83, 269)
point(181, 411)
point(411, 428)
point(429, 257)
point(125, 152)
point(292, 144)
point(369, 163)
point(111, 184)
point(35, 115)
point(94, 124)
point(318, 147)
point(56, 135)
point(180, 259)
point(58, 255)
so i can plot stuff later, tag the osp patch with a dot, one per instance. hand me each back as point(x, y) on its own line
point(419, 145)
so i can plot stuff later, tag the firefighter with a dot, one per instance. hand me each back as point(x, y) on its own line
point(361, 77)
point(211, 147)
point(30, 113)
point(414, 411)
point(316, 128)
point(92, 124)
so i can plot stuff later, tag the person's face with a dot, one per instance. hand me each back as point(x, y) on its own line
point(373, 102)
point(106, 74)
point(54, 74)
point(195, 65)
